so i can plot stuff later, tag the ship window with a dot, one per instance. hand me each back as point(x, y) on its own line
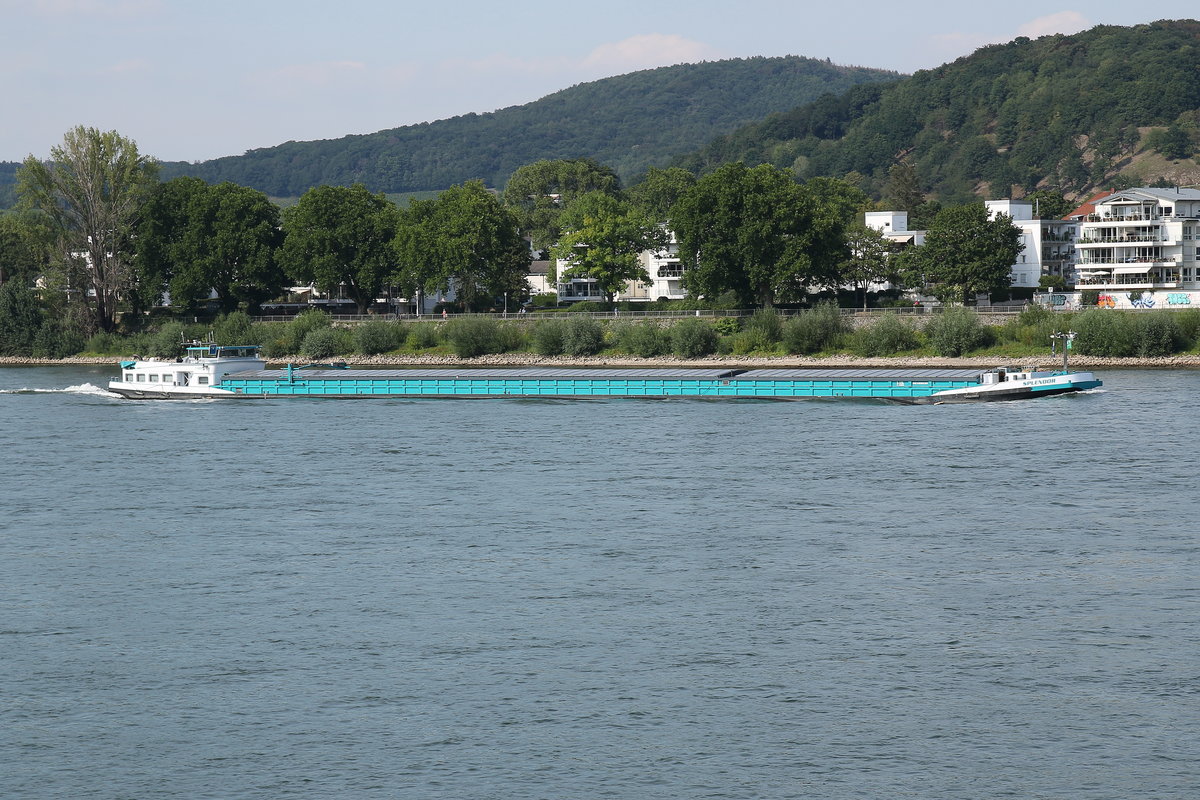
point(141, 379)
point(202, 380)
point(154, 379)
point(129, 377)
point(168, 378)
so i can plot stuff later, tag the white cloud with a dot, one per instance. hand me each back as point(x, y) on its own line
point(648, 50)
point(1062, 22)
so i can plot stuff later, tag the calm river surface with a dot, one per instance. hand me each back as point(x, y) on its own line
point(598, 599)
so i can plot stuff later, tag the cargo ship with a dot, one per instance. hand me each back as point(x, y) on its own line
point(219, 371)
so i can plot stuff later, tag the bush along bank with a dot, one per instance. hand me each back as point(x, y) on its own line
point(820, 331)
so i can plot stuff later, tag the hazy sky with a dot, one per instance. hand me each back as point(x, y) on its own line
point(196, 79)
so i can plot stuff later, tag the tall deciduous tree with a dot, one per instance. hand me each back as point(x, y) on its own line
point(91, 189)
point(602, 240)
point(463, 241)
point(206, 239)
point(866, 260)
point(965, 253)
point(26, 245)
point(341, 236)
point(20, 319)
point(659, 190)
point(539, 193)
point(754, 232)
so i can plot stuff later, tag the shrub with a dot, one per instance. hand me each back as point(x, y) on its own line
point(473, 336)
point(108, 344)
point(56, 340)
point(750, 341)
point(547, 337)
point(511, 337)
point(1188, 323)
point(319, 343)
point(885, 336)
point(813, 330)
point(1157, 334)
point(1105, 333)
point(234, 328)
point(545, 300)
point(767, 327)
point(645, 339)
point(590, 305)
point(583, 337)
point(956, 331)
point(377, 336)
point(290, 340)
point(420, 335)
point(726, 326)
point(167, 342)
point(693, 338)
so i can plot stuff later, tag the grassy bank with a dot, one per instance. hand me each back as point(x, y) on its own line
point(820, 334)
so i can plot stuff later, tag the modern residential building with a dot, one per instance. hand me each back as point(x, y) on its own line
point(894, 227)
point(1138, 248)
point(1049, 244)
point(663, 266)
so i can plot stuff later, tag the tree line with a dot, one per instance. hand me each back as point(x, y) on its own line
point(103, 240)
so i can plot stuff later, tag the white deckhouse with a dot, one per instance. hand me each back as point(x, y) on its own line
point(1139, 248)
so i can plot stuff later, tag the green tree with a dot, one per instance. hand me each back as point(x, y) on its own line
point(866, 260)
point(539, 193)
point(25, 247)
point(1173, 142)
point(92, 189)
point(603, 239)
point(659, 190)
point(463, 241)
point(903, 187)
point(21, 318)
point(1049, 205)
point(754, 232)
point(965, 253)
point(341, 236)
point(206, 239)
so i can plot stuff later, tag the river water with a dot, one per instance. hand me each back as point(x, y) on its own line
point(598, 599)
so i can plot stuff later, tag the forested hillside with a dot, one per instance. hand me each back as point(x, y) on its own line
point(1063, 112)
point(629, 122)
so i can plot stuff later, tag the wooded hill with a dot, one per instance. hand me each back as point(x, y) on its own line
point(1068, 113)
point(629, 123)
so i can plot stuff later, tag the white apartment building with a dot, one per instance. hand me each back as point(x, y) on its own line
point(1138, 248)
point(663, 266)
point(1049, 244)
point(894, 227)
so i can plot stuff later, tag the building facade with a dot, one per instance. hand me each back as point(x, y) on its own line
point(1138, 248)
point(663, 266)
point(1048, 244)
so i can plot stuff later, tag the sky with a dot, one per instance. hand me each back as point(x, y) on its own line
point(191, 80)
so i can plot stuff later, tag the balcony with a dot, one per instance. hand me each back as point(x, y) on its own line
point(1125, 238)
